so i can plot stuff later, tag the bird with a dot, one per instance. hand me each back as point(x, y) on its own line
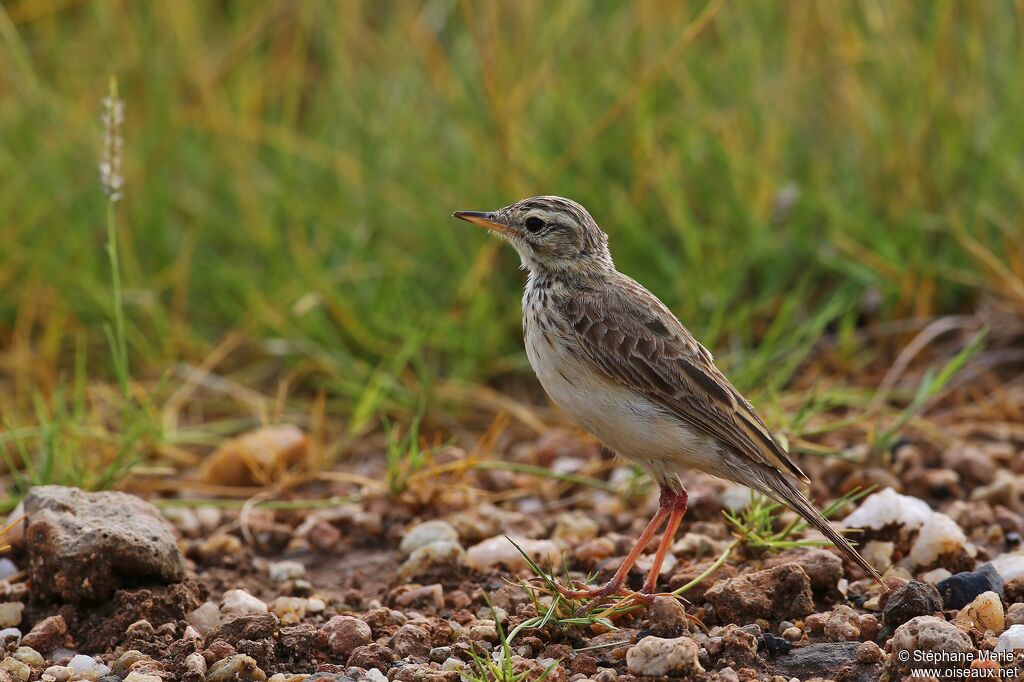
point(619, 363)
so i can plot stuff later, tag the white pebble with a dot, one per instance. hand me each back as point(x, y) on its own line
point(87, 665)
point(500, 551)
point(440, 553)
point(1009, 566)
point(575, 527)
point(240, 601)
point(936, 575)
point(7, 568)
point(10, 613)
point(426, 533)
point(280, 571)
point(57, 673)
point(1012, 639)
point(16, 669)
point(735, 497)
point(205, 618)
point(938, 536)
point(886, 508)
point(985, 612)
point(29, 655)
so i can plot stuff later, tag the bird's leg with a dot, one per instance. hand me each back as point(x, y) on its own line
point(668, 507)
point(677, 508)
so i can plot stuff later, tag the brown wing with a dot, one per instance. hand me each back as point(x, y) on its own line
point(633, 339)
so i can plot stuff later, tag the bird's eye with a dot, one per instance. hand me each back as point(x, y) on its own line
point(534, 224)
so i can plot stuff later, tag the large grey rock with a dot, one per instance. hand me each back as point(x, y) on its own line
point(84, 546)
point(829, 660)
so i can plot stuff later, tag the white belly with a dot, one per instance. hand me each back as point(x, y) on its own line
point(624, 421)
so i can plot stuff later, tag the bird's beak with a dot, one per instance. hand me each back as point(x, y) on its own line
point(486, 220)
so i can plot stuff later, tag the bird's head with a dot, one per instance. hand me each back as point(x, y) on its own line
point(551, 234)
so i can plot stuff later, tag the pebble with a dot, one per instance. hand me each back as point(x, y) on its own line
point(138, 676)
point(824, 568)
point(1015, 614)
point(205, 618)
point(282, 571)
point(1009, 566)
point(9, 636)
point(431, 555)
point(869, 653)
point(1012, 639)
point(58, 673)
point(240, 601)
point(7, 567)
point(936, 575)
point(985, 613)
point(426, 533)
point(886, 508)
point(290, 610)
point(10, 613)
point(195, 667)
point(342, 635)
point(262, 454)
point(774, 593)
point(668, 617)
point(16, 669)
point(87, 666)
point(499, 551)
point(28, 655)
point(657, 657)
point(961, 589)
point(575, 527)
point(238, 667)
point(735, 497)
point(411, 641)
point(842, 624)
point(929, 633)
point(939, 536)
point(878, 553)
point(908, 601)
point(47, 634)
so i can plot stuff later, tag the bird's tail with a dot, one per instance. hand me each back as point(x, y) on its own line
point(780, 489)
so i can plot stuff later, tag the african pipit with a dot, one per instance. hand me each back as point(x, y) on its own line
point(620, 364)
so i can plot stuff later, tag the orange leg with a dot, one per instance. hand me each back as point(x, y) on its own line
point(678, 509)
point(672, 506)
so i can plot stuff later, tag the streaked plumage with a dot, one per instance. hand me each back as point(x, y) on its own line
point(620, 364)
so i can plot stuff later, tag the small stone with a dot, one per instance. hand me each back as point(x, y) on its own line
point(793, 634)
point(985, 613)
point(244, 626)
point(427, 596)
point(961, 589)
point(411, 641)
point(290, 610)
point(1009, 566)
point(10, 613)
point(47, 634)
point(260, 455)
point(372, 656)
point(939, 536)
point(16, 669)
point(58, 673)
point(575, 527)
point(909, 601)
point(30, 656)
point(869, 653)
point(238, 667)
point(878, 553)
point(426, 533)
point(842, 624)
point(87, 667)
point(499, 551)
point(127, 660)
point(282, 571)
point(889, 508)
point(432, 555)
point(138, 676)
point(194, 668)
point(823, 568)
point(929, 633)
point(595, 550)
point(7, 567)
point(1012, 639)
point(657, 657)
point(241, 602)
point(936, 575)
point(204, 618)
point(1015, 614)
point(342, 635)
point(668, 618)
point(774, 594)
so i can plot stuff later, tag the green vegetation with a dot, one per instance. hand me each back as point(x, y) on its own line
point(773, 171)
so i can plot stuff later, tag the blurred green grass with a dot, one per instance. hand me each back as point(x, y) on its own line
point(771, 170)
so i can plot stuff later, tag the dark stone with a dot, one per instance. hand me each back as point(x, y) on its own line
point(82, 546)
point(829, 660)
point(960, 590)
point(909, 601)
point(773, 645)
point(372, 655)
